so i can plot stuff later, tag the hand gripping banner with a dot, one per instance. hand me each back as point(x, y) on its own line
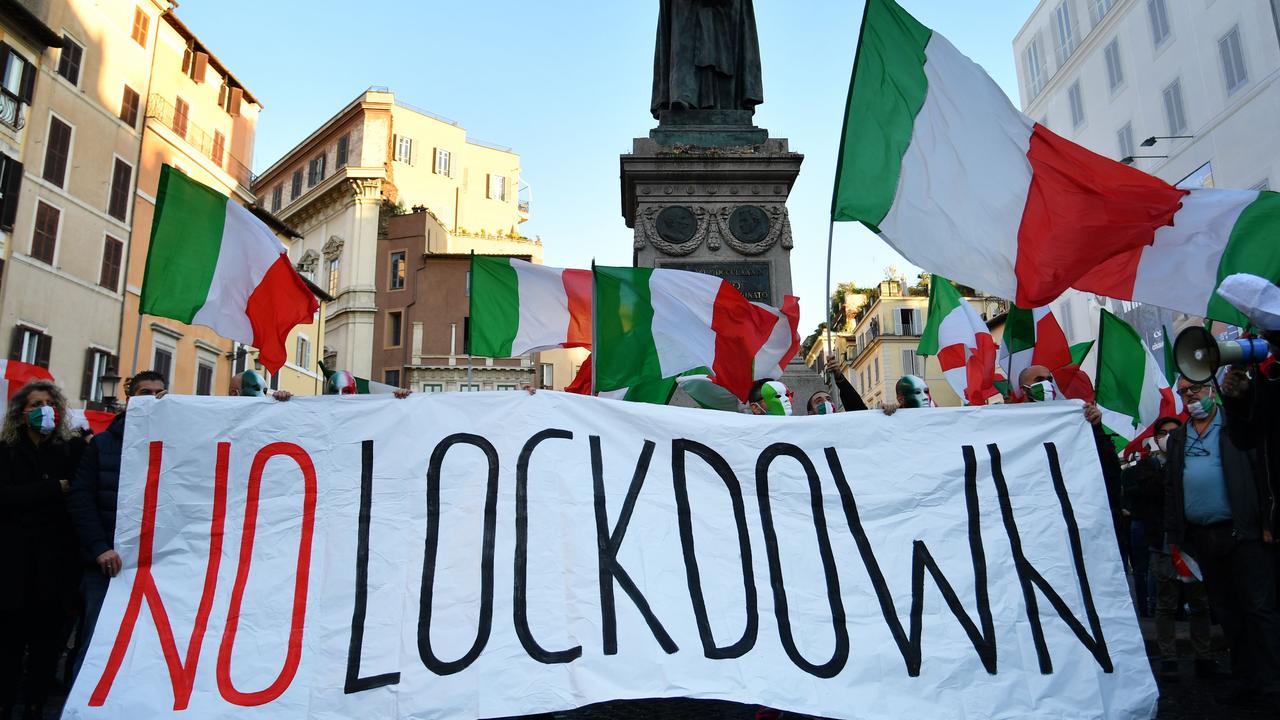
point(479, 555)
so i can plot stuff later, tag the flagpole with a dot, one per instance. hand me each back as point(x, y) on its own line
point(466, 329)
point(137, 339)
point(593, 326)
point(831, 233)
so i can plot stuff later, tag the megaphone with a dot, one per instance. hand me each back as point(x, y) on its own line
point(1199, 355)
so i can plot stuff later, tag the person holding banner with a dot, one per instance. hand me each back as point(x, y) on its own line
point(39, 452)
point(850, 400)
point(251, 384)
point(92, 502)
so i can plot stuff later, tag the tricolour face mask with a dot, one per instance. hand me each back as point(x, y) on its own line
point(1200, 409)
point(43, 420)
point(914, 391)
point(824, 408)
point(252, 384)
point(1043, 391)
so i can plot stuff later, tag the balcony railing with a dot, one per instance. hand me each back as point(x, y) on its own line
point(164, 113)
point(11, 110)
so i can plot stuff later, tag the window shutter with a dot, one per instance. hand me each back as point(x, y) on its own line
point(186, 60)
point(10, 184)
point(28, 82)
point(202, 64)
point(435, 160)
point(15, 343)
point(488, 185)
point(222, 96)
point(237, 94)
point(395, 147)
point(86, 383)
point(44, 346)
point(413, 153)
point(5, 54)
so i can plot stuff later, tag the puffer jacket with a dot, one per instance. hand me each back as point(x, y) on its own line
point(92, 500)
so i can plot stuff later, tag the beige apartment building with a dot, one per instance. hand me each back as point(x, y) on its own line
point(63, 275)
point(375, 158)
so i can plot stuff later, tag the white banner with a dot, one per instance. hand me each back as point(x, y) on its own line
point(479, 555)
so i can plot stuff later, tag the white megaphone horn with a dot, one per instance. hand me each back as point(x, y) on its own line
point(1199, 355)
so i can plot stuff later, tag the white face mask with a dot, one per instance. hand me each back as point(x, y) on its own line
point(1163, 443)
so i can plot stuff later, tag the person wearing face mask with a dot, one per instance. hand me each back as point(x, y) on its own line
point(250, 383)
point(1215, 513)
point(769, 397)
point(92, 503)
point(850, 400)
point(39, 452)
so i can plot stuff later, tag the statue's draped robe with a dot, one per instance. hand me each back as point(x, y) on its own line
point(707, 56)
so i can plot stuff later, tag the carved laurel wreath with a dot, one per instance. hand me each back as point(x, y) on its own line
point(779, 228)
point(648, 232)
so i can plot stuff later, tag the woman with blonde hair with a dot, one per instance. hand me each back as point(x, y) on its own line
point(39, 452)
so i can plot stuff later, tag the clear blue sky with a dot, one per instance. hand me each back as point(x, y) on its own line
point(566, 83)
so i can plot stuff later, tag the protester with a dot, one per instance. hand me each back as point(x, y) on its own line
point(1215, 513)
point(769, 397)
point(341, 382)
point(251, 384)
point(1171, 591)
point(39, 452)
point(910, 391)
point(850, 400)
point(92, 502)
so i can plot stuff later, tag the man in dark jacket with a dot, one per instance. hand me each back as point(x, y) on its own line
point(1214, 512)
point(92, 503)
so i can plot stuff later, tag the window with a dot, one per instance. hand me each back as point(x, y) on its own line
point(229, 99)
point(1174, 114)
point(1064, 31)
point(95, 366)
point(1124, 136)
point(911, 363)
point(391, 377)
point(219, 147)
point(1232, 60)
point(302, 353)
point(10, 187)
point(546, 374)
point(432, 387)
point(69, 60)
point(472, 387)
point(44, 239)
point(162, 362)
point(507, 387)
point(295, 186)
point(443, 160)
point(195, 64)
point(877, 369)
point(1033, 66)
point(498, 187)
point(17, 82)
point(394, 323)
point(118, 199)
point(1077, 105)
point(1115, 71)
point(404, 149)
point(332, 272)
point(315, 170)
point(906, 321)
point(30, 346)
point(141, 25)
point(344, 147)
point(180, 112)
point(1098, 9)
point(1159, 16)
point(1201, 177)
point(277, 197)
point(57, 151)
point(204, 378)
point(112, 257)
point(397, 271)
point(129, 107)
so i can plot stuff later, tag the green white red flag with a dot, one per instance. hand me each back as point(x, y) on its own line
point(956, 334)
point(14, 374)
point(936, 159)
point(212, 263)
point(518, 307)
point(1132, 392)
point(1034, 337)
point(652, 324)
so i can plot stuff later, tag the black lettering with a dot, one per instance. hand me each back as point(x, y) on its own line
point(485, 624)
point(711, 457)
point(354, 682)
point(521, 587)
point(840, 655)
point(1095, 643)
point(610, 541)
point(984, 641)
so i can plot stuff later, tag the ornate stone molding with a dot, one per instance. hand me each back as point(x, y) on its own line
point(779, 230)
point(647, 231)
point(309, 261)
point(332, 247)
point(367, 189)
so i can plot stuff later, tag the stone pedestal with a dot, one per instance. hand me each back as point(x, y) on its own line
point(719, 210)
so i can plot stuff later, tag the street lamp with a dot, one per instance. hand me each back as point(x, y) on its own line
point(1152, 140)
point(1128, 159)
point(109, 381)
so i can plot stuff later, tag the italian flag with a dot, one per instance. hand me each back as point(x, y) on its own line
point(341, 382)
point(95, 421)
point(1034, 337)
point(936, 159)
point(652, 324)
point(212, 263)
point(1132, 392)
point(15, 374)
point(657, 392)
point(961, 341)
point(518, 307)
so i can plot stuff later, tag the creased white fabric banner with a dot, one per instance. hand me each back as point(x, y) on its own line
point(480, 555)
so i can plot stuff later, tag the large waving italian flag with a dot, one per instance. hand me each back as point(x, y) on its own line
point(518, 307)
point(960, 339)
point(212, 263)
point(652, 324)
point(936, 159)
point(14, 374)
point(1132, 392)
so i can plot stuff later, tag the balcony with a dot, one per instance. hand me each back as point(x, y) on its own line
point(11, 110)
point(164, 113)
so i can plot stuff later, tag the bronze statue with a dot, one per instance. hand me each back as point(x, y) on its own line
point(707, 58)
